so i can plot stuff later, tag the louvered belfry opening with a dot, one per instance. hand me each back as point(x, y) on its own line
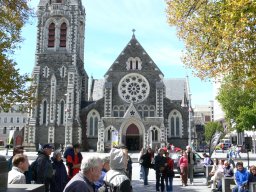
point(63, 35)
point(51, 35)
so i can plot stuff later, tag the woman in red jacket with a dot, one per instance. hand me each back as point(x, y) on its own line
point(183, 162)
point(169, 173)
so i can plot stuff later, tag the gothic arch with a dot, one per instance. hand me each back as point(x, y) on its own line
point(46, 32)
point(93, 118)
point(175, 123)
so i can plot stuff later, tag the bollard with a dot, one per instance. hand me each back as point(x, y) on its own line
point(208, 169)
point(3, 174)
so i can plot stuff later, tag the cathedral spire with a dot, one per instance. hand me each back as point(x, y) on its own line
point(133, 35)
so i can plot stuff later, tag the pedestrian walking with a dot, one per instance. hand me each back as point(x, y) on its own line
point(169, 173)
point(191, 163)
point(160, 165)
point(145, 162)
point(183, 162)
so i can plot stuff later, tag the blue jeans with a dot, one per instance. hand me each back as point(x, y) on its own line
point(145, 174)
point(239, 189)
point(168, 183)
point(159, 177)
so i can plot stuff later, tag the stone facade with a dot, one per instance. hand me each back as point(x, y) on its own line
point(135, 105)
point(134, 101)
point(59, 76)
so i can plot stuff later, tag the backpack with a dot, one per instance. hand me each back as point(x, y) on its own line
point(33, 168)
point(110, 187)
point(211, 162)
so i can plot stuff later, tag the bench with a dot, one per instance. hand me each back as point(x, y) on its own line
point(252, 187)
point(227, 183)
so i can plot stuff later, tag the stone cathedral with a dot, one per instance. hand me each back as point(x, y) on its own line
point(133, 99)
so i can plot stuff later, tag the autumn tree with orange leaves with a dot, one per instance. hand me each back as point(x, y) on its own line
point(219, 37)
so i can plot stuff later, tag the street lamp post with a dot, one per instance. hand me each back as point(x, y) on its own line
point(253, 138)
point(189, 120)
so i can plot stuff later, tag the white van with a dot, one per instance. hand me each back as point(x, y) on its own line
point(227, 143)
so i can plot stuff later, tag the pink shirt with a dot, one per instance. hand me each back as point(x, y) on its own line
point(183, 162)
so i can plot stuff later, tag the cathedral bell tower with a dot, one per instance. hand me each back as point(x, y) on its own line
point(59, 78)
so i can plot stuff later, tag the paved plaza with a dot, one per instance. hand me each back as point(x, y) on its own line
point(199, 180)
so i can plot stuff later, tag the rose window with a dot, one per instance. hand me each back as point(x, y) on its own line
point(133, 88)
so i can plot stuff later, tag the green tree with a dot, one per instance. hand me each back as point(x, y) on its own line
point(13, 15)
point(246, 118)
point(211, 130)
point(219, 37)
point(236, 101)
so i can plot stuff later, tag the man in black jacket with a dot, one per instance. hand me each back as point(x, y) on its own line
point(146, 164)
point(160, 164)
point(44, 167)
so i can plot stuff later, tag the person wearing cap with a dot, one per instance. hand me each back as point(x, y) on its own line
point(44, 167)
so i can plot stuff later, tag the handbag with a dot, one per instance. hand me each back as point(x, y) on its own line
point(170, 173)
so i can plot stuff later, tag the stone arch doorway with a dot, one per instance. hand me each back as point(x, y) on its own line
point(133, 138)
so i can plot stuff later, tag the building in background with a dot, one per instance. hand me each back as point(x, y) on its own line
point(133, 99)
point(12, 124)
point(202, 115)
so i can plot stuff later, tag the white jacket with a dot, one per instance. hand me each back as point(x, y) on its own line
point(16, 176)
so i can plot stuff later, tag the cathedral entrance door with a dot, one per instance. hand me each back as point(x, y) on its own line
point(133, 138)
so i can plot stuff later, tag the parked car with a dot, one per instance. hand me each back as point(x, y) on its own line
point(199, 165)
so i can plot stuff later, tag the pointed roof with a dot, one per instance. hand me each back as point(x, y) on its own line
point(134, 49)
point(131, 112)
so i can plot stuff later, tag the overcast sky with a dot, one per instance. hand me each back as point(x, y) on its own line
point(109, 25)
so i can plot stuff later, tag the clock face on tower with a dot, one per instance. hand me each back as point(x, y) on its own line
point(133, 88)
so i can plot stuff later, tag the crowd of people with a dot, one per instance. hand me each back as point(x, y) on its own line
point(78, 174)
point(114, 172)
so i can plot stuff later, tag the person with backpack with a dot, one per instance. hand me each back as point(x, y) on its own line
point(42, 170)
point(116, 178)
point(73, 160)
point(60, 176)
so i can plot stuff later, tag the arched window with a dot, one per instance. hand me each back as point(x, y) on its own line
point(140, 111)
point(131, 64)
point(152, 111)
point(115, 111)
point(154, 135)
point(62, 105)
point(137, 64)
point(121, 111)
point(145, 111)
point(44, 111)
point(51, 35)
point(92, 122)
point(175, 123)
point(109, 136)
point(63, 35)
